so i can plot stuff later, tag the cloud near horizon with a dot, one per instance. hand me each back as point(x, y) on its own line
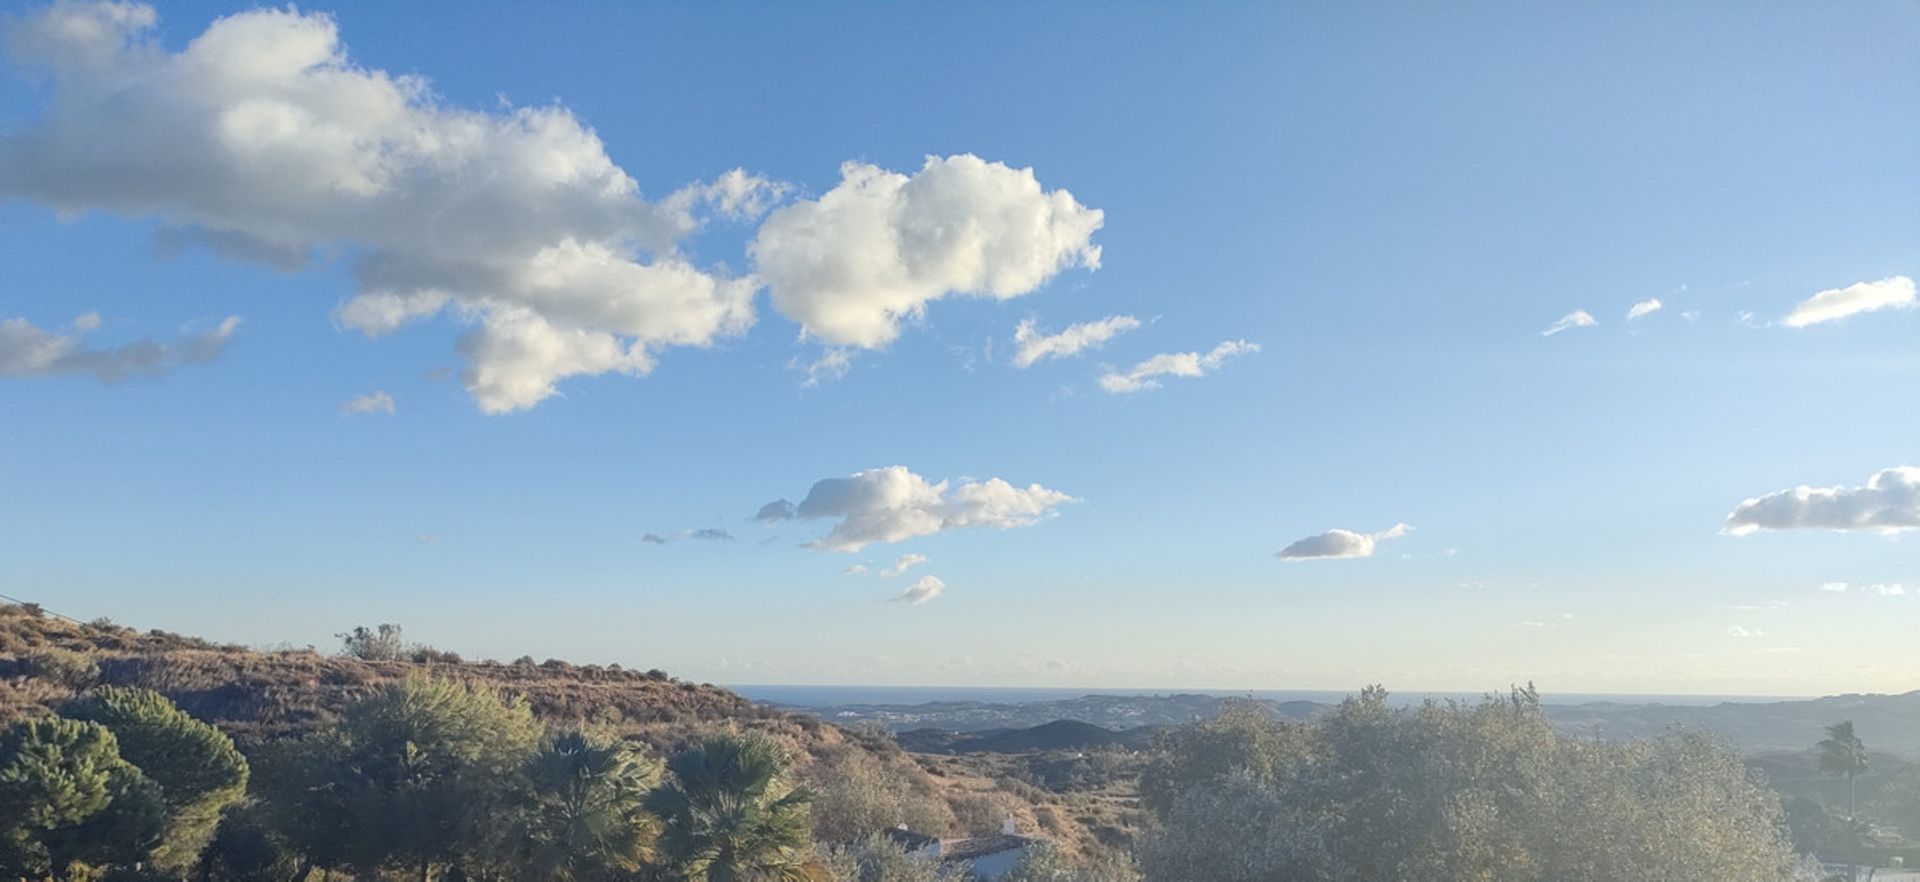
point(891, 504)
point(1145, 375)
point(1893, 292)
point(30, 351)
point(922, 590)
point(1033, 345)
point(1339, 544)
point(875, 250)
point(1888, 503)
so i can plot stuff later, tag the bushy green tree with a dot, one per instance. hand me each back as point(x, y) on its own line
point(1047, 863)
point(417, 777)
point(584, 814)
point(729, 815)
point(66, 797)
point(1484, 792)
point(856, 796)
point(199, 771)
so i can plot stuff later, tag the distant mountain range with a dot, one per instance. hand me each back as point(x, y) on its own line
point(1889, 723)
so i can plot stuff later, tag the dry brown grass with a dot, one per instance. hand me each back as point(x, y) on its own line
point(255, 696)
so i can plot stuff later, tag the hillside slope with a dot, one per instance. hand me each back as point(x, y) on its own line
point(256, 696)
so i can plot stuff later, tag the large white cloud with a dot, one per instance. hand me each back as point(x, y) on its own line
point(893, 503)
point(27, 350)
point(880, 246)
point(1338, 543)
point(1889, 503)
point(1173, 364)
point(261, 139)
point(1034, 345)
point(1837, 303)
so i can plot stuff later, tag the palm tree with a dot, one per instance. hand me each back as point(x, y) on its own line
point(729, 815)
point(1842, 755)
point(586, 816)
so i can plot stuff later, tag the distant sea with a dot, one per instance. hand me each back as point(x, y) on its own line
point(839, 696)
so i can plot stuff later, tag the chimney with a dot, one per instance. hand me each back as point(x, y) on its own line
point(1009, 828)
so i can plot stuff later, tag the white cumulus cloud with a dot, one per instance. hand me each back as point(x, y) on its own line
point(1889, 503)
point(893, 503)
point(1578, 318)
point(372, 402)
point(30, 351)
point(922, 590)
point(1338, 543)
point(1173, 364)
point(880, 246)
point(905, 563)
point(261, 139)
point(1033, 345)
point(1644, 308)
point(1895, 292)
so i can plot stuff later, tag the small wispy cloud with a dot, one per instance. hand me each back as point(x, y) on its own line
point(1034, 345)
point(1553, 622)
point(1337, 543)
point(1834, 587)
point(1644, 308)
point(1578, 318)
point(703, 534)
point(427, 538)
point(1764, 606)
point(1895, 292)
point(1743, 633)
point(905, 563)
point(1145, 375)
point(855, 570)
point(30, 351)
point(922, 590)
point(373, 402)
point(832, 364)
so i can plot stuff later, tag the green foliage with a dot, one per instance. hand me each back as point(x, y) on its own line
point(382, 642)
point(1843, 755)
point(728, 814)
point(244, 848)
point(197, 768)
point(1453, 791)
point(67, 796)
point(858, 796)
point(1241, 737)
point(63, 667)
point(879, 859)
point(1045, 863)
point(585, 816)
point(408, 780)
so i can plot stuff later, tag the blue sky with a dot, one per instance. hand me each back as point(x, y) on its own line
point(1391, 202)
